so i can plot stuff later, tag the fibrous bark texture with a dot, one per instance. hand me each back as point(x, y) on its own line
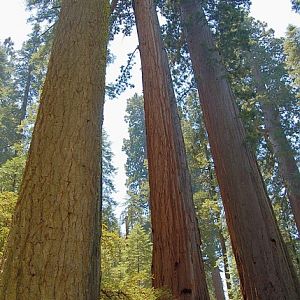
point(53, 247)
point(262, 260)
point(177, 263)
point(280, 145)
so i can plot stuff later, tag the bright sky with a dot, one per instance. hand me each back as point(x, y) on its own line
point(277, 13)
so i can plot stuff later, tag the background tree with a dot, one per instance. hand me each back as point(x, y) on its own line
point(108, 188)
point(8, 108)
point(296, 5)
point(137, 206)
point(292, 51)
point(7, 206)
point(273, 94)
point(126, 266)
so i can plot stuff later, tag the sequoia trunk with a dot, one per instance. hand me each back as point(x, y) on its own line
point(262, 260)
point(281, 147)
point(53, 247)
point(177, 263)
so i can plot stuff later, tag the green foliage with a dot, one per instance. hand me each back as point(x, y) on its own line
point(22, 74)
point(44, 11)
point(266, 55)
point(135, 146)
point(9, 121)
point(137, 209)
point(226, 19)
point(7, 205)
point(232, 35)
point(138, 253)
point(122, 19)
point(108, 188)
point(296, 5)
point(11, 173)
point(123, 81)
point(125, 265)
point(31, 67)
point(292, 51)
point(9, 111)
point(18, 111)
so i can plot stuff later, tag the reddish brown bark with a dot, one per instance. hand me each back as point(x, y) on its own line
point(177, 263)
point(53, 247)
point(281, 147)
point(264, 266)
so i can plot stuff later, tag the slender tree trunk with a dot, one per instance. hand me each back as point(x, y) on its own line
point(218, 285)
point(264, 267)
point(226, 265)
point(281, 147)
point(26, 94)
point(177, 264)
point(291, 241)
point(53, 248)
point(126, 227)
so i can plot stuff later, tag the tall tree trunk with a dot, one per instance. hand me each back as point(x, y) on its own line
point(53, 247)
point(218, 285)
point(281, 147)
point(26, 94)
point(177, 264)
point(226, 265)
point(264, 267)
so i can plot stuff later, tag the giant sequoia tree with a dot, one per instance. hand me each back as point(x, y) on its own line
point(53, 250)
point(263, 264)
point(177, 263)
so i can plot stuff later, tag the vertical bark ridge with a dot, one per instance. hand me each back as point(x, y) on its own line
point(53, 247)
point(264, 267)
point(177, 264)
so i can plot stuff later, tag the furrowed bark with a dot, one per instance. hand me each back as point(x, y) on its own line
point(264, 266)
point(53, 247)
point(177, 264)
